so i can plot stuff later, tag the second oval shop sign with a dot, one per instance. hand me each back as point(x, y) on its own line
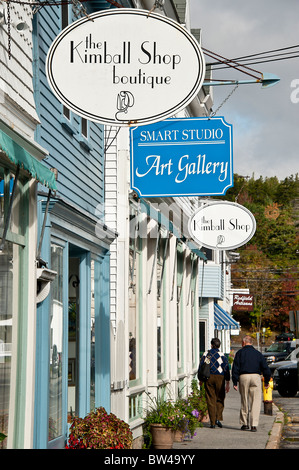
point(222, 225)
point(125, 66)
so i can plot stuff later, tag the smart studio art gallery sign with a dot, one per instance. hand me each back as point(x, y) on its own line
point(182, 157)
point(125, 66)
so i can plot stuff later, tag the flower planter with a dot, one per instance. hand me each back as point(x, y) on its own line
point(178, 436)
point(162, 436)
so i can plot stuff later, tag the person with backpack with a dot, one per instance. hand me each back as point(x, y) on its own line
point(216, 381)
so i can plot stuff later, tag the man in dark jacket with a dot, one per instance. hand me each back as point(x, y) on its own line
point(247, 368)
point(215, 386)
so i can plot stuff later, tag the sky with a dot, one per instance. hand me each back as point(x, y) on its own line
point(265, 120)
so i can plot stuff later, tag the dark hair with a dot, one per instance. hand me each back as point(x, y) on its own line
point(215, 343)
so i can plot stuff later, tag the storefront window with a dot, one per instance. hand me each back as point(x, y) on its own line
point(161, 254)
point(133, 317)
point(191, 299)
point(134, 296)
point(9, 290)
point(92, 339)
point(56, 345)
point(180, 274)
point(73, 338)
point(6, 317)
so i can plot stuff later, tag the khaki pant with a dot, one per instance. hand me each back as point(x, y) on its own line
point(215, 395)
point(250, 388)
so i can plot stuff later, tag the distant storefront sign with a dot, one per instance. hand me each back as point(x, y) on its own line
point(243, 303)
point(125, 66)
point(182, 157)
point(222, 225)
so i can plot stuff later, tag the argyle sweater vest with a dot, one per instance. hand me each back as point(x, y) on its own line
point(219, 363)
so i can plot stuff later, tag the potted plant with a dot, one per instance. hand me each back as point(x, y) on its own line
point(162, 419)
point(99, 430)
point(189, 418)
point(198, 400)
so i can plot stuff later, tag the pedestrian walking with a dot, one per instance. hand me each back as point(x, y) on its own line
point(217, 384)
point(247, 368)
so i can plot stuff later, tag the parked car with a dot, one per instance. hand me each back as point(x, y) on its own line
point(285, 380)
point(290, 359)
point(285, 337)
point(279, 350)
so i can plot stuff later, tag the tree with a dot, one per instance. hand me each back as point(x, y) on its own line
point(255, 271)
point(268, 265)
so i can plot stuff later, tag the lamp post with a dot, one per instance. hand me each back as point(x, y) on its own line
point(267, 80)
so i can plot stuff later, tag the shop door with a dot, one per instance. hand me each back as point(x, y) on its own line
point(79, 333)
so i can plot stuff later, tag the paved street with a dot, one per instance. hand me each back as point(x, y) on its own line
point(230, 436)
point(290, 432)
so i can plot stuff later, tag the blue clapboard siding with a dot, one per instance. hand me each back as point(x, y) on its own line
point(212, 285)
point(80, 165)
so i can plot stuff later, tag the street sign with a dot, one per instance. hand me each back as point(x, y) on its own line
point(222, 225)
point(243, 303)
point(125, 66)
point(182, 157)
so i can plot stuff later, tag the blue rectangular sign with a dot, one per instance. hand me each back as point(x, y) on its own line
point(182, 157)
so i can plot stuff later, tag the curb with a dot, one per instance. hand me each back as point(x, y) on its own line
point(276, 431)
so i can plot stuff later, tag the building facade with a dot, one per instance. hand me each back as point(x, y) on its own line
point(162, 316)
point(21, 168)
point(73, 327)
point(112, 302)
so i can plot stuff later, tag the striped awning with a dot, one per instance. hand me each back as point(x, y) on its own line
point(223, 321)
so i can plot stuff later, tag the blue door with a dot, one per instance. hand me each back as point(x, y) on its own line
point(73, 348)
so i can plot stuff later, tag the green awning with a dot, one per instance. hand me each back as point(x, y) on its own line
point(25, 160)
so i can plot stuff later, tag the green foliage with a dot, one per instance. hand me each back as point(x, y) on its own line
point(268, 265)
point(198, 397)
point(2, 436)
point(263, 191)
point(181, 414)
point(99, 430)
point(163, 412)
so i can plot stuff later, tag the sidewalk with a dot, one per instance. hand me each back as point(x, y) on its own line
point(230, 435)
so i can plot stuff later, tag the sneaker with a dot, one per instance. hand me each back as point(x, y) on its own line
point(244, 427)
point(218, 423)
point(212, 426)
point(253, 428)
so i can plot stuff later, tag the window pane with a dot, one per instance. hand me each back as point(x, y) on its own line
point(133, 317)
point(160, 305)
point(84, 127)
point(56, 345)
point(73, 337)
point(6, 296)
point(92, 339)
point(6, 186)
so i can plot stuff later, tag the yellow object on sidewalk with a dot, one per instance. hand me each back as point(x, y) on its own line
point(267, 392)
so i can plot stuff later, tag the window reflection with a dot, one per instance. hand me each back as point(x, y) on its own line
point(92, 339)
point(56, 346)
point(133, 318)
point(6, 296)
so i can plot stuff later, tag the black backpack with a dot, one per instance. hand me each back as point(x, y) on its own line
point(203, 373)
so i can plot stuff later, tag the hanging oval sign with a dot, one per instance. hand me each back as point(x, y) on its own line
point(222, 225)
point(125, 66)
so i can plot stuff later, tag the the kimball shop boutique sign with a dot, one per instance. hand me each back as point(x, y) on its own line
point(125, 66)
point(182, 157)
point(222, 225)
